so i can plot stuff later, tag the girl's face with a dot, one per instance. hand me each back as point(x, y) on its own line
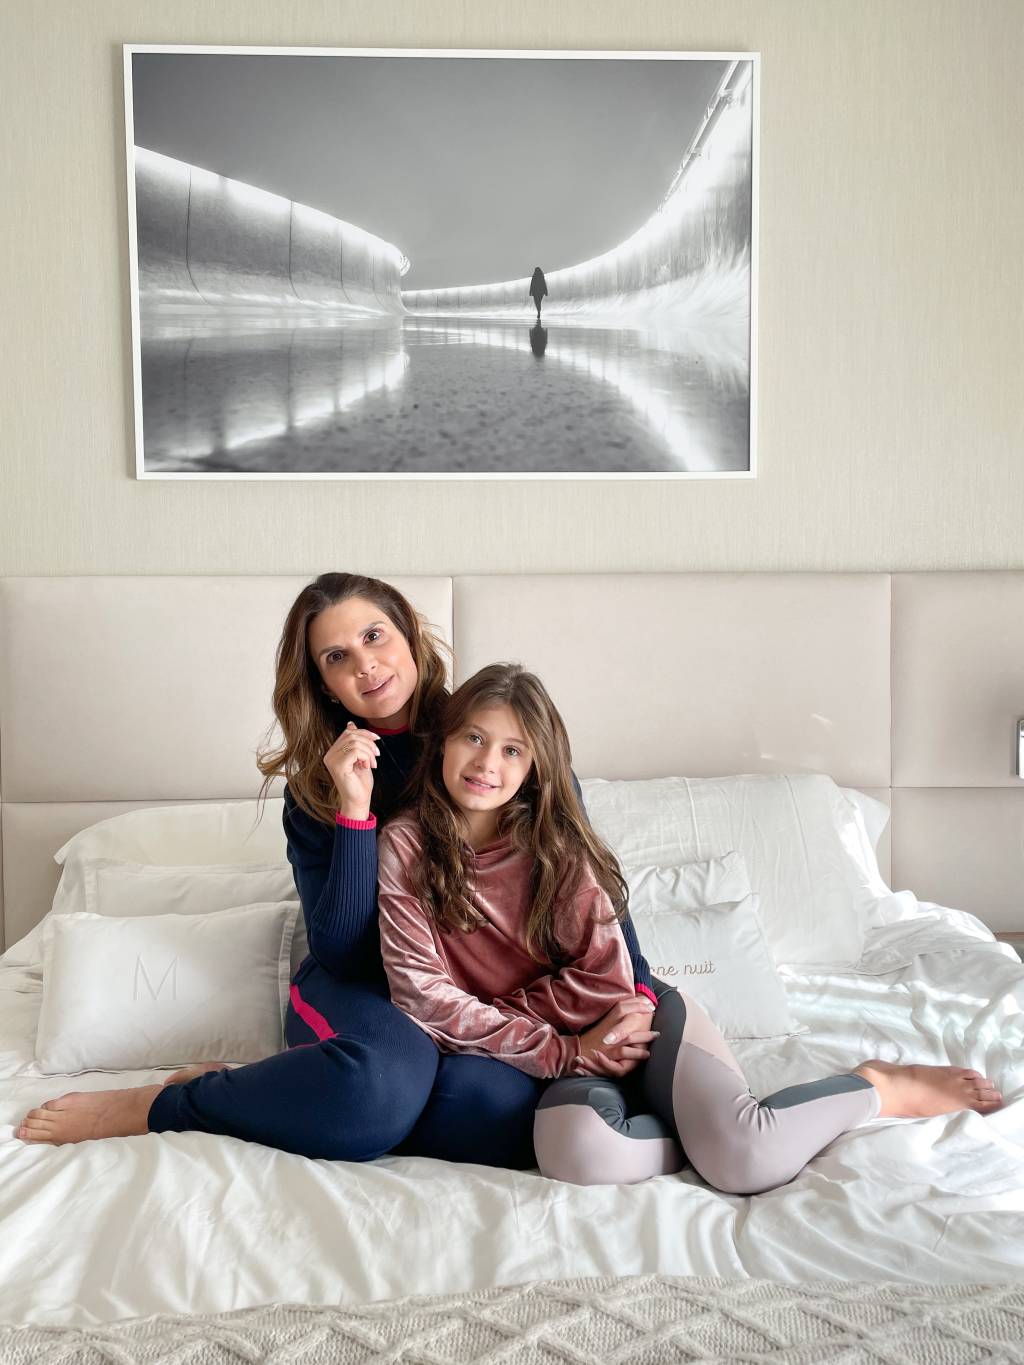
point(486, 761)
point(364, 661)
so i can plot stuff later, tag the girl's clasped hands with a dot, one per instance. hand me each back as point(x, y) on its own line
point(618, 1043)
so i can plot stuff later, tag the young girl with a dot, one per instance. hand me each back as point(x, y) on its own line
point(499, 922)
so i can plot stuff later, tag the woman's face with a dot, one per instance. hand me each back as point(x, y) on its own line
point(364, 661)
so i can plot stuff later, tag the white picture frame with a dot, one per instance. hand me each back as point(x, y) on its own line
point(644, 366)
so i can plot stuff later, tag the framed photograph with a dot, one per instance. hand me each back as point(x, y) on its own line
point(437, 264)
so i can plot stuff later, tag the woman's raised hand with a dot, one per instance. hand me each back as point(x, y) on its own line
point(618, 1043)
point(350, 761)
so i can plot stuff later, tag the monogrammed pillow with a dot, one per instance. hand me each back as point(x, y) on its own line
point(716, 953)
point(163, 990)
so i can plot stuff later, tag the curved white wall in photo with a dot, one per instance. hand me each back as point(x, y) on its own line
point(692, 255)
point(205, 240)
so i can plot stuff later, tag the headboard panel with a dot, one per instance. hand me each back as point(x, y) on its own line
point(701, 674)
point(143, 689)
point(123, 692)
point(958, 693)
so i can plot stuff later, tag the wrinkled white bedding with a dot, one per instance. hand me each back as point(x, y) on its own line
point(193, 1223)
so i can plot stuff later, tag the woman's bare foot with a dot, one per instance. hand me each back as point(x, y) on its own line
point(916, 1092)
point(82, 1115)
point(189, 1073)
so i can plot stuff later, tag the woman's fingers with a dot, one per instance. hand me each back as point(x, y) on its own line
point(353, 735)
point(359, 744)
point(354, 729)
point(362, 758)
point(354, 747)
point(353, 741)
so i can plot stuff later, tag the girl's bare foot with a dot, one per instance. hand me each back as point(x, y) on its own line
point(81, 1115)
point(916, 1092)
point(189, 1073)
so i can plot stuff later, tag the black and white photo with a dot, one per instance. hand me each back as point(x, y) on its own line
point(372, 263)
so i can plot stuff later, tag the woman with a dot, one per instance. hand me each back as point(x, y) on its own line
point(538, 288)
point(359, 1078)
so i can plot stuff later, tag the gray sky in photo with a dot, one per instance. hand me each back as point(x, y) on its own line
point(477, 168)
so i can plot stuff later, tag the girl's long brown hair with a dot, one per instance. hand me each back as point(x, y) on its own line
point(310, 720)
point(543, 819)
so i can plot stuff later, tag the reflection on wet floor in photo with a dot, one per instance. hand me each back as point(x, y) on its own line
point(443, 394)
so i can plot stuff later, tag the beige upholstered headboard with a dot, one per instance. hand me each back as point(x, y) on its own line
point(125, 692)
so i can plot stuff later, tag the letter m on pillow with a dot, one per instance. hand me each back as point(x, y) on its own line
point(171, 971)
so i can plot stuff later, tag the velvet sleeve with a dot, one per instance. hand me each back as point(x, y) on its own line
point(422, 987)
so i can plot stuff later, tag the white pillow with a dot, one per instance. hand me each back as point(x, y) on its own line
point(874, 814)
point(197, 832)
point(101, 886)
point(192, 833)
point(163, 990)
point(128, 889)
point(718, 954)
point(798, 835)
point(691, 886)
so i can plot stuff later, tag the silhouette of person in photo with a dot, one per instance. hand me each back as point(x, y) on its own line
point(538, 288)
point(538, 340)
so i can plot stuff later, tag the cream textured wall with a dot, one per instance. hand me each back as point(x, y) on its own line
point(891, 305)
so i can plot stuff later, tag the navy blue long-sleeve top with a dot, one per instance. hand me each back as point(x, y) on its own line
point(335, 871)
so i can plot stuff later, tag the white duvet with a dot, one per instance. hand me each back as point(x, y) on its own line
point(193, 1223)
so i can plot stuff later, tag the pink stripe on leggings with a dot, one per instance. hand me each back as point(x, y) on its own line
point(313, 1018)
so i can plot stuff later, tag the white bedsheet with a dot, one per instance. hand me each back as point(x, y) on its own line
point(193, 1223)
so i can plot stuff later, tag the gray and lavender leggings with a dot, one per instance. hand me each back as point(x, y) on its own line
point(701, 1112)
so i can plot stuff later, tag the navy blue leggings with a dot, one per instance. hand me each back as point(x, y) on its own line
point(377, 1084)
point(480, 1110)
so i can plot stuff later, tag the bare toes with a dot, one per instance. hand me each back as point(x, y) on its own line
point(35, 1130)
point(66, 1101)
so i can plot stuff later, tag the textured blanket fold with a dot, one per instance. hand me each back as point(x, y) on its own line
point(638, 1319)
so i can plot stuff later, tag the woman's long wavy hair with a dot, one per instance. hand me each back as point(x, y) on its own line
point(310, 720)
point(543, 819)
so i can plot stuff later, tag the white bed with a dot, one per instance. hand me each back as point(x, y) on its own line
point(194, 1223)
point(199, 1224)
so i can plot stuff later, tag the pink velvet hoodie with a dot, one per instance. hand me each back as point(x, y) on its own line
point(481, 992)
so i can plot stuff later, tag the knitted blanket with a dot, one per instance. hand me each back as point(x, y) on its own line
point(642, 1320)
